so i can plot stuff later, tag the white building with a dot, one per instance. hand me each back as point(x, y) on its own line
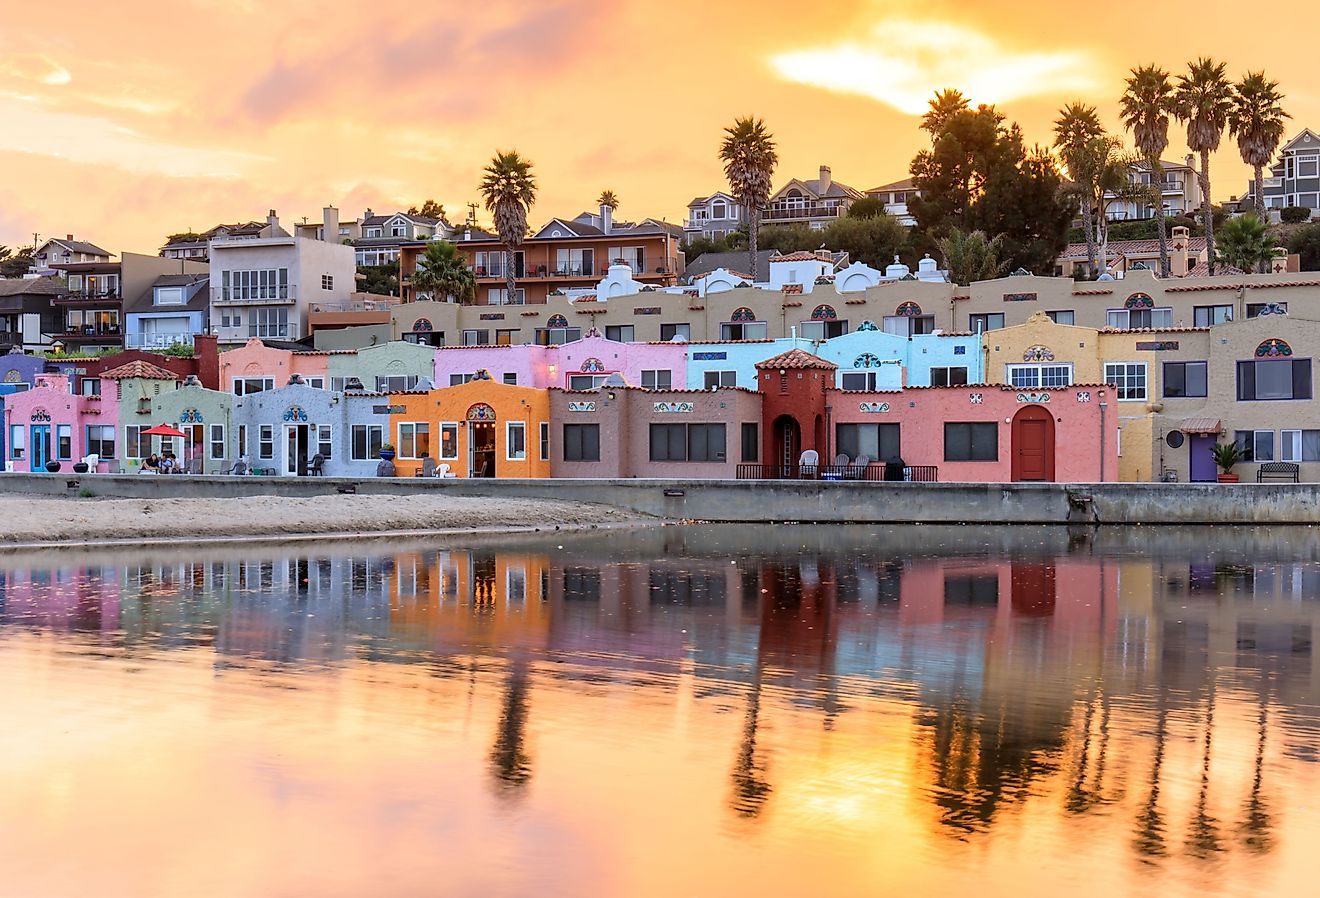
point(713, 216)
point(263, 287)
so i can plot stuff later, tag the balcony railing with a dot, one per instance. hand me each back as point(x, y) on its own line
point(156, 341)
point(95, 297)
point(647, 267)
point(92, 334)
point(384, 304)
point(278, 296)
point(809, 210)
point(875, 471)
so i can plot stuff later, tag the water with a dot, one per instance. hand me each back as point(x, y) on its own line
point(670, 712)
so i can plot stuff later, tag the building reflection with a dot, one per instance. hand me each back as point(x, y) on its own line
point(1049, 659)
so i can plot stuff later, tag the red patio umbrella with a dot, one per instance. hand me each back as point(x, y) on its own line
point(164, 430)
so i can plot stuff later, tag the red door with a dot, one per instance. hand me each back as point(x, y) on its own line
point(1033, 444)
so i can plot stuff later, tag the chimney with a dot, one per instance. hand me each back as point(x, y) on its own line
point(606, 218)
point(273, 222)
point(1179, 241)
point(68, 237)
point(207, 355)
point(330, 224)
point(826, 179)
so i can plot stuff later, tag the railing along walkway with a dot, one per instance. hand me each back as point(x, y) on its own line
point(873, 472)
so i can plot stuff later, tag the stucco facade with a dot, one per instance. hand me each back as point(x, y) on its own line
point(49, 423)
point(381, 367)
point(255, 362)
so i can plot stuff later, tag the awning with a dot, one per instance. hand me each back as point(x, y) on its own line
point(1200, 425)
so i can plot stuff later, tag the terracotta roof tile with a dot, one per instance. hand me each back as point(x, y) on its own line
point(139, 368)
point(799, 256)
point(796, 358)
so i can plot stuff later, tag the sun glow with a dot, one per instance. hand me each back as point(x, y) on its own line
point(905, 61)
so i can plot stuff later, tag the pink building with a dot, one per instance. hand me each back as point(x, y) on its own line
point(255, 366)
point(528, 365)
point(48, 423)
point(581, 365)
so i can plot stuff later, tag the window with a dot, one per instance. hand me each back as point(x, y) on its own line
point(670, 331)
point(1061, 316)
point(556, 336)
point(1299, 445)
point(989, 321)
point(64, 442)
point(317, 383)
point(1128, 377)
point(657, 379)
point(510, 378)
point(515, 440)
point(1207, 316)
point(858, 380)
point(1255, 308)
point(905, 326)
point(1256, 445)
point(575, 263)
point(1184, 379)
point(822, 330)
point(245, 386)
point(1138, 319)
point(1307, 167)
point(955, 376)
point(266, 441)
point(586, 381)
point(459, 379)
point(506, 336)
point(168, 296)
point(972, 441)
point(217, 442)
point(414, 439)
point(242, 442)
point(101, 440)
point(268, 322)
point(1034, 377)
point(17, 440)
point(91, 386)
point(619, 333)
point(713, 379)
point(396, 383)
point(268, 283)
point(1274, 379)
point(581, 442)
point(687, 442)
point(327, 282)
point(367, 440)
point(743, 330)
point(324, 444)
point(476, 337)
point(751, 441)
point(448, 442)
point(499, 296)
point(545, 441)
point(875, 441)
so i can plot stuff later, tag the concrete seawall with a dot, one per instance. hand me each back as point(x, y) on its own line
point(774, 501)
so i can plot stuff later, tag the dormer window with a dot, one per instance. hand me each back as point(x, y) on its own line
point(372, 232)
point(719, 209)
point(398, 231)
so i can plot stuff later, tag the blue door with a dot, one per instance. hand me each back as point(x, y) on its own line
point(40, 447)
point(1202, 463)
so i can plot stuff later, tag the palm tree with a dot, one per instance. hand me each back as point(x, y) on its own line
point(1244, 242)
point(1256, 120)
point(509, 190)
point(971, 256)
point(1203, 99)
point(444, 273)
point(1074, 129)
point(1145, 109)
point(748, 154)
point(946, 104)
point(607, 198)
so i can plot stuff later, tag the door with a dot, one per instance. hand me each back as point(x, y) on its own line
point(1033, 588)
point(788, 442)
point(1200, 463)
point(296, 440)
point(481, 449)
point(193, 446)
point(1033, 444)
point(40, 447)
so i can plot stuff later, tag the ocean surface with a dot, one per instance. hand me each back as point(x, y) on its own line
point(673, 711)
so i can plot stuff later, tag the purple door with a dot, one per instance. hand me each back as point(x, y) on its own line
point(1202, 462)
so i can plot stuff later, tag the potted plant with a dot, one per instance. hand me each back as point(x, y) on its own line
point(80, 467)
point(1226, 456)
point(53, 466)
point(387, 451)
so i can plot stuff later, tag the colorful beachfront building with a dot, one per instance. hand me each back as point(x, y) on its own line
point(581, 364)
point(254, 366)
point(49, 423)
point(385, 367)
point(481, 428)
point(18, 372)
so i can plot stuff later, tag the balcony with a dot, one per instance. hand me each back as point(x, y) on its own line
point(646, 268)
point(94, 298)
point(804, 212)
point(279, 296)
point(91, 334)
point(156, 341)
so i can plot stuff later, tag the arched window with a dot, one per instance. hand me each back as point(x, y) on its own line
point(481, 412)
point(1139, 301)
point(557, 321)
point(191, 416)
point(908, 310)
point(1273, 349)
point(422, 326)
point(823, 313)
point(867, 360)
point(743, 314)
point(593, 365)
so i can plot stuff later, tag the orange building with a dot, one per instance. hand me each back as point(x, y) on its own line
point(478, 429)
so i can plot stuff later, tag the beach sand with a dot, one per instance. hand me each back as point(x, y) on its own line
point(40, 519)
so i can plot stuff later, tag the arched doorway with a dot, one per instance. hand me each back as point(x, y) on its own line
point(787, 441)
point(1033, 444)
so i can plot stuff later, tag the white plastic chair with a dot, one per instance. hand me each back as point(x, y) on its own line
point(92, 461)
point(442, 470)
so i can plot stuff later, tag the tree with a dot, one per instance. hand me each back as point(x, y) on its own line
point(1256, 119)
point(184, 237)
point(1245, 243)
point(382, 280)
point(749, 157)
point(971, 257)
point(429, 209)
point(1305, 242)
point(790, 238)
point(867, 207)
point(15, 265)
point(509, 190)
point(607, 198)
point(443, 272)
point(1145, 109)
point(873, 241)
point(1203, 99)
point(1075, 133)
point(946, 104)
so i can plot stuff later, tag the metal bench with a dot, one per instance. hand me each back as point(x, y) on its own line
point(1278, 470)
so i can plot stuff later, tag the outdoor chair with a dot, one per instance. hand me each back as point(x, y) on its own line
point(92, 461)
point(428, 467)
point(857, 471)
point(808, 464)
point(842, 460)
point(317, 467)
point(238, 467)
point(442, 470)
point(1285, 471)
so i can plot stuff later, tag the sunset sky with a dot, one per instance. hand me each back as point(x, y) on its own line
point(122, 127)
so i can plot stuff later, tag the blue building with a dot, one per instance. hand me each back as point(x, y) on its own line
point(172, 310)
point(18, 372)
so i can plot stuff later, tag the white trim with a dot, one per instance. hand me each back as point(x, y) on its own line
point(508, 440)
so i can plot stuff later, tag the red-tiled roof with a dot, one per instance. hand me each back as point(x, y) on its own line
point(792, 289)
point(139, 368)
point(799, 256)
point(796, 358)
point(1076, 252)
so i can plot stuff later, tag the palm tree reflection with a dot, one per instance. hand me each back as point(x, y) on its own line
point(750, 788)
point(1203, 838)
point(1150, 822)
point(1256, 835)
point(509, 760)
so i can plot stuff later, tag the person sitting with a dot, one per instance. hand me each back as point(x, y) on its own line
point(167, 463)
point(151, 463)
point(385, 468)
point(428, 467)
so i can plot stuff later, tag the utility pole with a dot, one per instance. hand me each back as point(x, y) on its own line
point(472, 215)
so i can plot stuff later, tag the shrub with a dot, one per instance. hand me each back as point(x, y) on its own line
point(1295, 214)
point(87, 493)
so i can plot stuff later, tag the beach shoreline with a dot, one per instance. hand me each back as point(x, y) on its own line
point(48, 522)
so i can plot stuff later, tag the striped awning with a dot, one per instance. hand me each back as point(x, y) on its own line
point(1200, 425)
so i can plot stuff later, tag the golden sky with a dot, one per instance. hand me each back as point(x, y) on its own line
point(123, 123)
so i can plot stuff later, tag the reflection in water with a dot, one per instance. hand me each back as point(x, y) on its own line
point(919, 689)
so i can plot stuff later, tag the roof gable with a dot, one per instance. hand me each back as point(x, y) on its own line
point(797, 358)
point(1306, 140)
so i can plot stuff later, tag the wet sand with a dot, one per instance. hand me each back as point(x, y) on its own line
point(44, 520)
